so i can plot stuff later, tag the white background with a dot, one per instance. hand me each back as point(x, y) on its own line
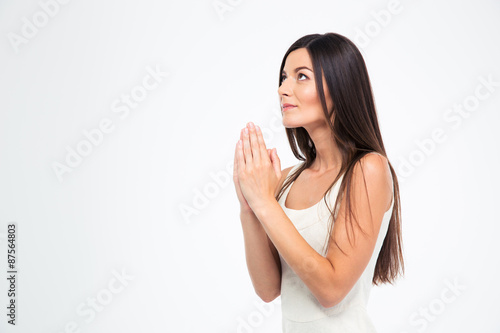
point(154, 198)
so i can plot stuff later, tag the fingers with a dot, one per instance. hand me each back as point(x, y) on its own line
point(247, 149)
point(241, 139)
point(254, 143)
point(239, 157)
point(276, 162)
point(254, 147)
point(264, 153)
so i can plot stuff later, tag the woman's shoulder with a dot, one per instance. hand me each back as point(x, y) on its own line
point(375, 164)
point(373, 169)
point(284, 174)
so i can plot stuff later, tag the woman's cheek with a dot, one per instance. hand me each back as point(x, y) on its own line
point(309, 96)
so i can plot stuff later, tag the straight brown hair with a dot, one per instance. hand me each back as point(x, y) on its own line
point(354, 127)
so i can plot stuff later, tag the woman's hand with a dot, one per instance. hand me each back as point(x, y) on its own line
point(257, 170)
point(243, 202)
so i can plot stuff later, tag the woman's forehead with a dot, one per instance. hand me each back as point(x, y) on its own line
point(298, 58)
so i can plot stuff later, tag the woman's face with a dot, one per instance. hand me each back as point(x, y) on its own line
point(299, 89)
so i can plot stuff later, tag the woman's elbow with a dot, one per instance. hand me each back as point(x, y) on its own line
point(330, 298)
point(269, 297)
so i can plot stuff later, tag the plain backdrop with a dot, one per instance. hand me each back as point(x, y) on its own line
point(118, 122)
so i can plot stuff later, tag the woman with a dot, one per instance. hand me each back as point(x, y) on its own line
point(322, 261)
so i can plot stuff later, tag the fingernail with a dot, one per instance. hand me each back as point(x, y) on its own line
point(246, 130)
point(257, 128)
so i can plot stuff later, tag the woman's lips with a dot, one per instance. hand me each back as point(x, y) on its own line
point(288, 107)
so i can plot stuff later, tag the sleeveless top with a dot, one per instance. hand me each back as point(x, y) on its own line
point(301, 311)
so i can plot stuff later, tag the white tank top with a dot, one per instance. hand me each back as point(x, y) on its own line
point(301, 310)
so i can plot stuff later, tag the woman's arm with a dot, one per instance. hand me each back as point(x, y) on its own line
point(262, 259)
point(331, 278)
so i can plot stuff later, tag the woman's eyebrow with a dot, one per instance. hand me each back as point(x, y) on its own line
point(298, 69)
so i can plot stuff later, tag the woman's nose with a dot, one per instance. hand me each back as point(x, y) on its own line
point(284, 88)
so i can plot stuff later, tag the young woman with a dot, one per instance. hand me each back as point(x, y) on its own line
point(321, 233)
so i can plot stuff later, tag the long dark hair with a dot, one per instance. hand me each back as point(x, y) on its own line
point(355, 129)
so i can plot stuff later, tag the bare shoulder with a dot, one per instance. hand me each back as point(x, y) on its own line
point(374, 169)
point(374, 163)
point(284, 174)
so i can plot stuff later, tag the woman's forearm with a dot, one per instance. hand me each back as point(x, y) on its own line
point(262, 258)
point(313, 269)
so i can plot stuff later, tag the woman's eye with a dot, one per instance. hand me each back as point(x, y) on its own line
point(283, 77)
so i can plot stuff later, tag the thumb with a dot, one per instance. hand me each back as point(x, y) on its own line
point(276, 162)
